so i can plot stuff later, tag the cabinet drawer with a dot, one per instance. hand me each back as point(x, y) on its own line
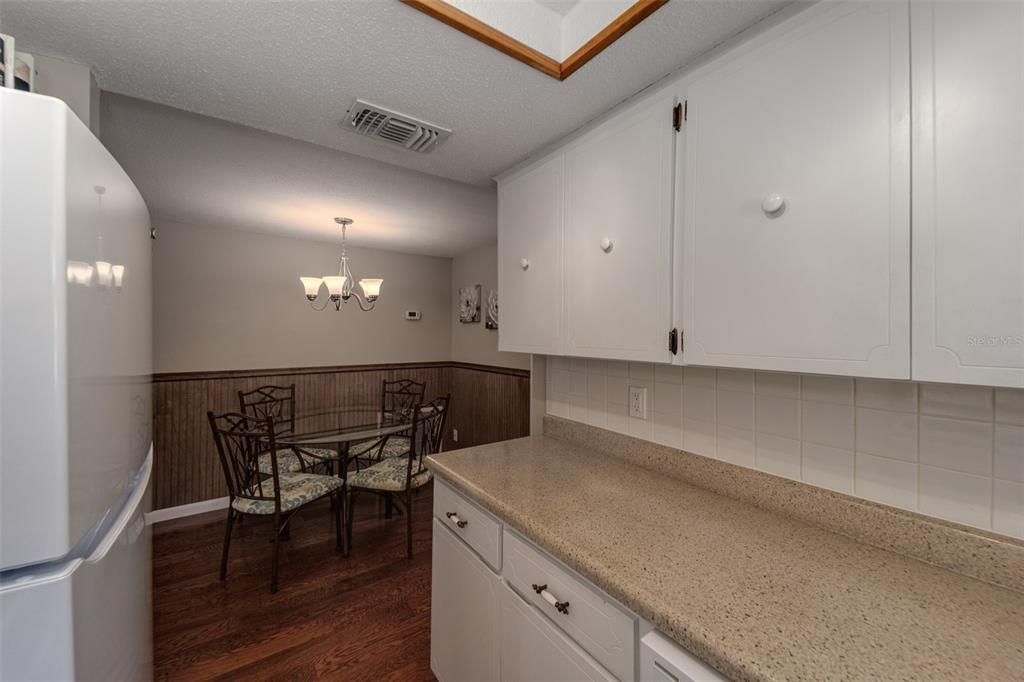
point(534, 649)
point(662, 660)
point(592, 619)
point(477, 528)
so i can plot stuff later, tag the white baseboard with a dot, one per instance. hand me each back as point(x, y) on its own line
point(158, 515)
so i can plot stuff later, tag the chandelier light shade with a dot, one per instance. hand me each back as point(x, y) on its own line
point(371, 288)
point(340, 287)
point(312, 286)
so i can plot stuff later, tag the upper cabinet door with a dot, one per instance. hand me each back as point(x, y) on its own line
point(796, 232)
point(968, 61)
point(618, 236)
point(530, 259)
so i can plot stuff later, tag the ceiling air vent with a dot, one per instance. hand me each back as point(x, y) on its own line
point(384, 124)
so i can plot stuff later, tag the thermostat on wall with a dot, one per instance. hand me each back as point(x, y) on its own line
point(413, 314)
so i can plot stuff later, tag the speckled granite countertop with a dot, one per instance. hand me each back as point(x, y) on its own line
point(756, 595)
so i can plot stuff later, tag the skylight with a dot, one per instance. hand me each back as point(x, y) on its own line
point(553, 36)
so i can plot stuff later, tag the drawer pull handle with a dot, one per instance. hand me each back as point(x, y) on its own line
point(458, 522)
point(560, 606)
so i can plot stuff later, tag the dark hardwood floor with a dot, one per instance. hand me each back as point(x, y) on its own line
point(364, 617)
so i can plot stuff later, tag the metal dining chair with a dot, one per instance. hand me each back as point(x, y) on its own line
point(399, 477)
point(278, 403)
point(397, 401)
point(241, 441)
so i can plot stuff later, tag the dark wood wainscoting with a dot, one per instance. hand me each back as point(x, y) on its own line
point(488, 404)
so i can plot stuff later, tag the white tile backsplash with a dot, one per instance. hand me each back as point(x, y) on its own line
point(1008, 508)
point(735, 409)
point(670, 374)
point(957, 444)
point(773, 383)
point(777, 455)
point(699, 403)
point(953, 400)
point(1009, 453)
point(827, 424)
point(578, 384)
point(955, 452)
point(1010, 407)
point(699, 376)
point(616, 368)
point(669, 398)
point(596, 387)
point(889, 481)
point(641, 370)
point(736, 380)
point(952, 495)
point(736, 445)
point(827, 389)
point(828, 467)
point(885, 433)
point(900, 396)
point(777, 416)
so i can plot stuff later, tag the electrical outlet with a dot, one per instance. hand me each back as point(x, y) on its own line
point(455, 435)
point(638, 402)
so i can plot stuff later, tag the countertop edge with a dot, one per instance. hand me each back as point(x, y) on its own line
point(682, 633)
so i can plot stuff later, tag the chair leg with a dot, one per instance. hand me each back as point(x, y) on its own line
point(227, 543)
point(277, 554)
point(408, 524)
point(389, 509)
point(336, 502)
point(350, 513)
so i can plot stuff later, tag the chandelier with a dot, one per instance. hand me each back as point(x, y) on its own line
point(340, 287)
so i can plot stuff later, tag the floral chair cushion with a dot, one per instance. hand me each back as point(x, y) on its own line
point(289, 462)
point(296, 490)
point(396, 446)
point(388, 475)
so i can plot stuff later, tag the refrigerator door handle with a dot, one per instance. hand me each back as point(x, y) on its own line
point(131, 505)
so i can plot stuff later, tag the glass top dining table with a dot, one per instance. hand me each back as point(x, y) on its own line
point(342, 426)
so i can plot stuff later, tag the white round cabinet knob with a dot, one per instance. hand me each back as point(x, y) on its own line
point(606, 245)
point(524, 264)
point(773, 205)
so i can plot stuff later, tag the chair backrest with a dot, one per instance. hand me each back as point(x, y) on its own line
point(240, 440)
point(399, 399)
point(275, 402)
point(428, 431)
point(435, 417)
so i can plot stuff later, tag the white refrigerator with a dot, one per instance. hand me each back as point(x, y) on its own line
point(75, 404)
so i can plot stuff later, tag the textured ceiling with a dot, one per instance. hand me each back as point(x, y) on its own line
point(293, 68)
point(202, 171)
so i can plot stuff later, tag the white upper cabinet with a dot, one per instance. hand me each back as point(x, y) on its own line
point(530, 259)
point(968, 73)
point(796, 231)
point(618, 236)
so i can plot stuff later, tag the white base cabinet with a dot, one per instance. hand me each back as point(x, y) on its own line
point(536, 621)
point(533, 649)
point(464, 621)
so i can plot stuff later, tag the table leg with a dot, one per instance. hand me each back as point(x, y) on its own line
point(343, 473)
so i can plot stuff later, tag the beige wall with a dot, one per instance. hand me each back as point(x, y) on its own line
point(227, 299)
point(473, 342)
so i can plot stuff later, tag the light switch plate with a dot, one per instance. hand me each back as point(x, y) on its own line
point(638, 402)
